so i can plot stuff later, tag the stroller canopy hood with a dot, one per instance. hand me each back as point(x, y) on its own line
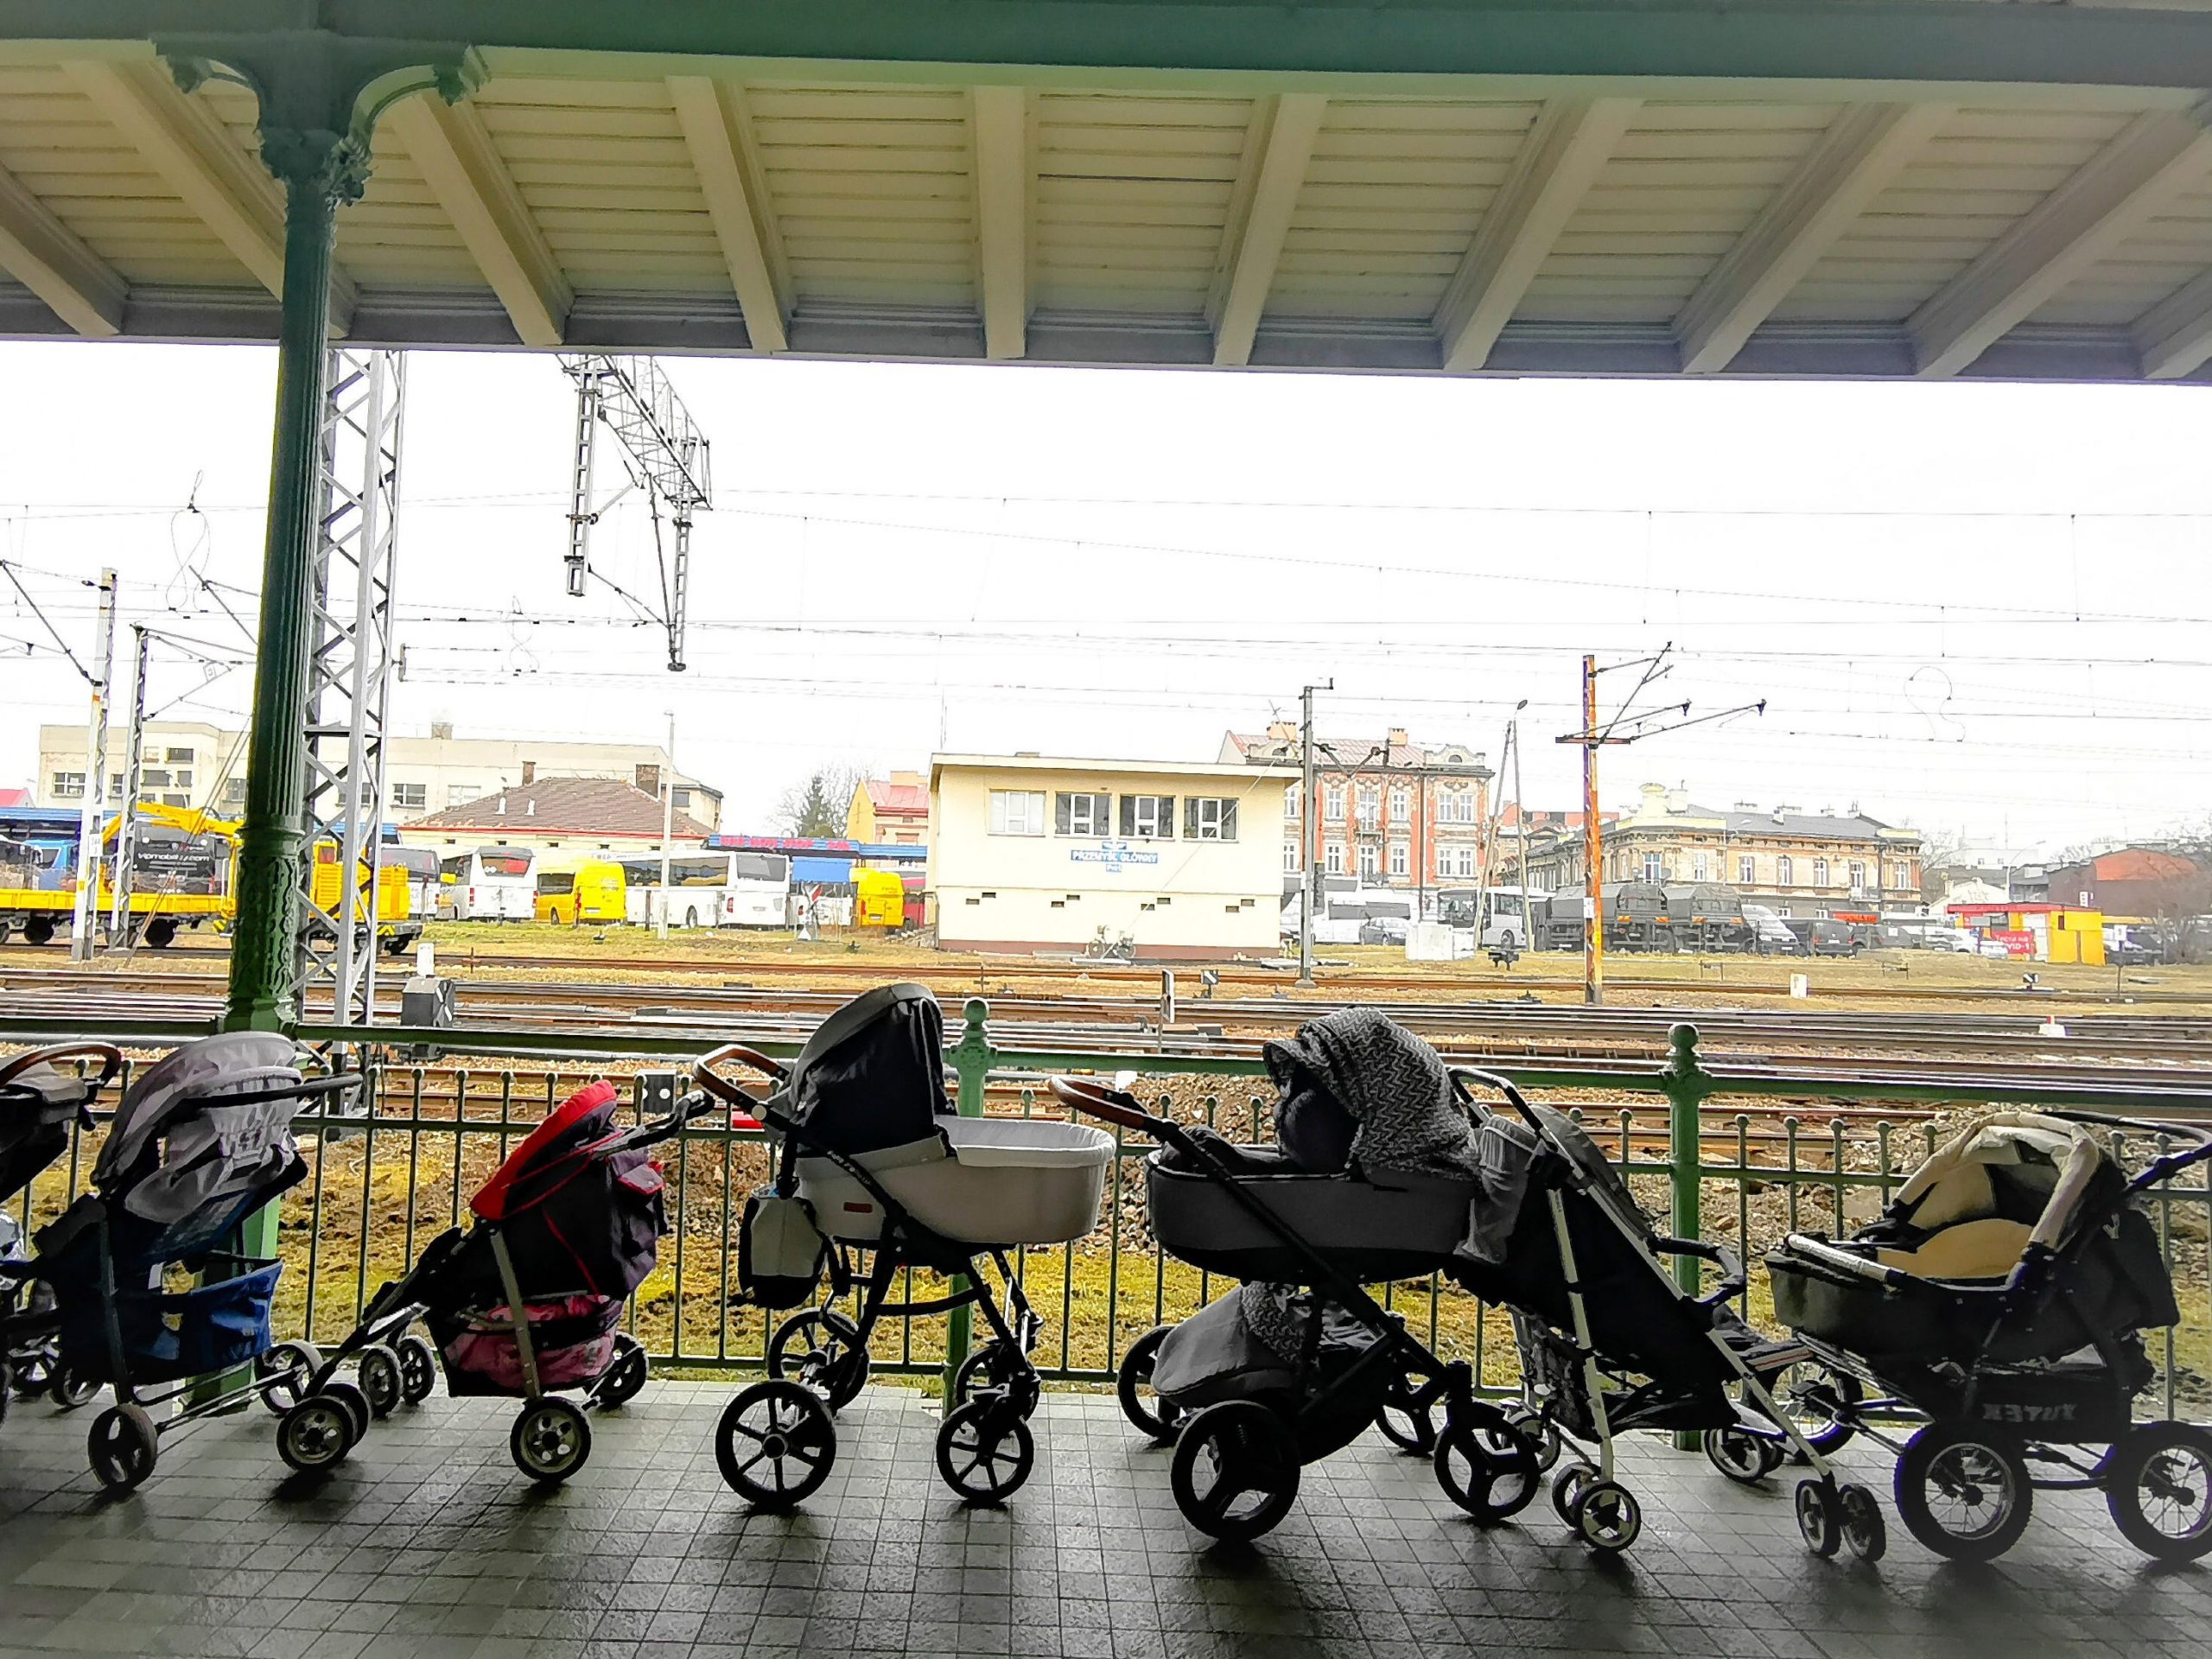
point(1360, 1065)
point(872, 1074)
point(551, 1156)
point(2019, 1167)
point(176, 1148)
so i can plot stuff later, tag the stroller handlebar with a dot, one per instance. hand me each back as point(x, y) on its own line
point(1096, 1100)
point(743, 1105)
point(1733, 1276)
point(109, 1055)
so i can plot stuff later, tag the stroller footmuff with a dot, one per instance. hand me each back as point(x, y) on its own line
point(43, 1104)
point(151, 1292)
point(526, 1303)
point(1376, 1177)
point(871, 1163)
point(2003, 1298)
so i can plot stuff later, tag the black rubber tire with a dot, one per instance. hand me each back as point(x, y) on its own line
point(295, 1362)
point(1606, 1517)
point(1865, 1533)
point(418, 1369)
point(1158, 1419)
point(550, 1440)
point(986, 1369)
point(985, 1451)
point(780, 1423)
point(1958, 1461)
point(1820, 1516)
point(70, 1389)
point(2173, 1461)
point(625, 1375)
point(122, 1447)
point(1566, 1485)
point(314, 1435)
point(1826, 1428)
point(832, 1365)
point(1247, 1451)
point(1501, 1474)
point(378, 1372)
point(1530, 1421)
point(355, 1400)
point(1406, 1425)
point(1740, 1455)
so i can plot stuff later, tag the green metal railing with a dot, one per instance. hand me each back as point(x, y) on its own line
point(1738, 1152)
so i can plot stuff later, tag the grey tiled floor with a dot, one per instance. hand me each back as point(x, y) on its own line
point(428, 1542)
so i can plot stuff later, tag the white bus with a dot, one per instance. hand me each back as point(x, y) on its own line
point(1501, 912)
point(710, 889)
point(493, 884)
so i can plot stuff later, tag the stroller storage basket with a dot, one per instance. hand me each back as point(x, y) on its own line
point(1008, 1181)
point(1397, 1226)
point(168, 1337)
point(572, 1338)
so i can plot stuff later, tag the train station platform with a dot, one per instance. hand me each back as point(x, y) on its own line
point(427, 1543)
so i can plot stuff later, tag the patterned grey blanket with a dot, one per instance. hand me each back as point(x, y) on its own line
point(1393, 1083)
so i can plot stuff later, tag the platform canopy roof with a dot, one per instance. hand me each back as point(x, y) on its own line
point(1808, 188)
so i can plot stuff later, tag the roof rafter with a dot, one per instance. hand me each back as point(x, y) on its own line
point(1862, 152)
point(1278, 147)
point(2108, 199)
point(1001, 117)
point(2175, 335)
point(51, 260)
point(715, 133)
point(198, 157)
point(1567, 146)
point(450, 143)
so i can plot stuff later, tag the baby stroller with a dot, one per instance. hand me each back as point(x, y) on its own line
point(1609, 1342)
point(200, 1140)
point(41, 1105)
point(2002, 1297)
point(565, 1228)
point(873, 1161)
point(1376, 1177)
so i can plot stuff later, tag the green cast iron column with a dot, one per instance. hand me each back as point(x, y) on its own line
point(1686, 1083)
point(971, 1066)
point(318, 173)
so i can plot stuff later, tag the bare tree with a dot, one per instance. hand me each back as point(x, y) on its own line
point(819, 804)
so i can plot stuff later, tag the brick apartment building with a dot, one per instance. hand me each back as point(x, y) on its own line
point(1391, 811)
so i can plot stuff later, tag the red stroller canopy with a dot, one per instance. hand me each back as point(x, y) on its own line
point(554, 1153)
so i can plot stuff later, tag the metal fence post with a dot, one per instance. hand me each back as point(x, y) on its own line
point(971, 1067)
point(1688, 1084)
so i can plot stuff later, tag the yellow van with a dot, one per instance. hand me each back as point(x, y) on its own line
point(589, 892)
point(879, 899)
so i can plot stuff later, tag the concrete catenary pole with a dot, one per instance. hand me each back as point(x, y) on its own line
point(667, 824)
point(94, 818)
point(1309, 849)
point(1593, 926)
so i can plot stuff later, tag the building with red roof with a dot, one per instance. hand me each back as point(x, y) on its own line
point(2142, 881)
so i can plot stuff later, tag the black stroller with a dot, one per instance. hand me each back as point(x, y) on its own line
point(2002, 1297)
point(201, 1140)
point(41, 1105)
point(874, 1161)
point(1610, 1342)
point(525, 1302)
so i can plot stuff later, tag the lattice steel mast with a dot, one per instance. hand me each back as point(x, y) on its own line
point(667, 456)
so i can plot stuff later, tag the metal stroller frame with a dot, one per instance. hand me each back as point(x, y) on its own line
point(550, 1438)
point(1962, 1435)
point(1249, 1447)
point(984, 1447)
point(30, 1354)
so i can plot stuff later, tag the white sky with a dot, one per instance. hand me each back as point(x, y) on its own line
point(1978, 607)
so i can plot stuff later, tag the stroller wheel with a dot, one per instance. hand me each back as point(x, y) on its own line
point(355, 1399)
point(315, 1433)
point(293, 1366)
point(1404, 1421)
point(1156, 1418)
point(122, 1445)
point(71, 1388)
point(1963, 1490)
point(1235, 1471)
point(1865, 1533)
point(988, 1367)
point(1546, 1435)
point(418, 1369)
point(2158, 1486)
point(379, 1371)
point(817, 1348)
point(1607, 1516)
point(1567, 1488)
point(550, 1440)
point(985, 1451)
point(1742, 1456)
point(775, 1443)
point(1821, 1399)
point(1820, 1517)
point(626, 1376)
point(1491, 1473)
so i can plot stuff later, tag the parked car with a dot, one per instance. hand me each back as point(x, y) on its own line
point(1956, 939)
point(1384, 930)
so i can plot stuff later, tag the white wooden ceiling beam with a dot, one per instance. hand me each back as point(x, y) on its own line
point(716, 136)
point(450, 144)
point(198, 158)
point(1000, 118)
point(2175, 335)
point(1284, 128)
point(2108, 200)
point(1861, 154)
point(1567, 148)
point(51, 260)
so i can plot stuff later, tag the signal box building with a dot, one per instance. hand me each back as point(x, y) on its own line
point(1032, 854)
